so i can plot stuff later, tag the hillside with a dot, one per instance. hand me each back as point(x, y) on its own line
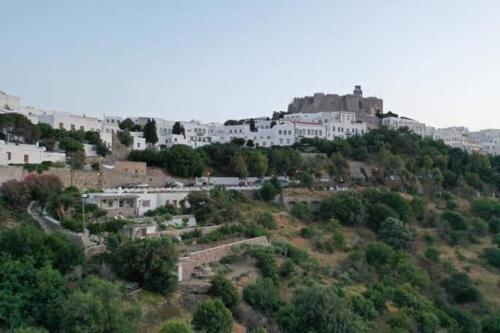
point(382, 233)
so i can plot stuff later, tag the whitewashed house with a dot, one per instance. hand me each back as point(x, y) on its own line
point(391, 120)
point(11, 153)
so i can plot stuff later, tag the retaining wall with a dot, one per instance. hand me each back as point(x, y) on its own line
point(188, 263)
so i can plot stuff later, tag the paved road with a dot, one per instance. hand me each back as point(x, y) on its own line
point(34, 212)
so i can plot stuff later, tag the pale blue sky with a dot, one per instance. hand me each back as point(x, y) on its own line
point(436, 61)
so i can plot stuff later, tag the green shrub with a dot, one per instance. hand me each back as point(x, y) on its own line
point(176, 326)
point(432, 253)
point(266, 220)
point(492, 255)
point(307, 232)
point(266, 262)
point(394, 233)
point(263, 296)
point(300, 211)
point(491, 323)
point(461, 288)
point(364, 307)
point(226, 291)
point(212, 317)
point(455, 220)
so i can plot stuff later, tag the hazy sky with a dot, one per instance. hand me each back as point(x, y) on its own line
point(435, 61)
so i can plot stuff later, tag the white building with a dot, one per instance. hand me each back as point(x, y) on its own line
point(111, 124)
point(456, 137)
point(392, 121)
point(71, 122)
point(489, 140)
point(136, 201)
point(9, 102)
point(11, 153)
point(138, 141)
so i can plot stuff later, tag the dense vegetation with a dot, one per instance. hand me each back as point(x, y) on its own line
point(403, 245)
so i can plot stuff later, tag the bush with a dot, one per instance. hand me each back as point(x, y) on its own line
point(212, 317)
point(149, 262)
point(226, 291)
point(347, 207)
point(176, 326)
point(319, 309)
point(364, 307)
point(461, 288)
point(494, 225)
point(307, 232)
point(263, 296)
point(491, 323)
point(266, 262)
point(300, 211)
point(394, 233)
point(268, 191)
point(287, 269)
point(432, 253)
point(266, 220)
point(455, 220)
point(492, 255)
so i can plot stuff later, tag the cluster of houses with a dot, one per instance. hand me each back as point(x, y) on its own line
point(303, 121)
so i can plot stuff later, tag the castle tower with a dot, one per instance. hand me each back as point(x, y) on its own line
point(357, 91)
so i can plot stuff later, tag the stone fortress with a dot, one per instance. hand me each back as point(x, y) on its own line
point(366, 108)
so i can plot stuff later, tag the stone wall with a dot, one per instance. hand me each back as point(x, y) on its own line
point(91, 179)
point(188, 263)
point(312, 199)
point(138, 168)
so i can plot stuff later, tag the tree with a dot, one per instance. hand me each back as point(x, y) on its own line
point(250, 143)
point(268, 191)
point(125, 138)
point(461, 288)
point(16, 127)
point(176, 326)
point(239, 165)
point(306, 179)
point(240, 142)
point(55, 248)
point(491, 323)
point(395, 234)
point(226, 291)
point(317, 310)
point(97, 307)
point(42, 186)
point(29, 296)
point(70, 145)
point(252, 126)
point(184, 161)
point(127, 124)
point(212, 317)
point(347, 207)
point(150, 132)
point(178, 129)
point(16, 194)
point(257, 163)
point(263, 296)
point(149, 262)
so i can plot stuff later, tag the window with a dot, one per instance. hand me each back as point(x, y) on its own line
point(81, 128)
point(72, 127)
point(9, 156)
point(146, 203)
point(61, 126)
point(110, 203)
point(26, 158)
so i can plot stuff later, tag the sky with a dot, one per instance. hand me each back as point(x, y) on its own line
point(212, 60)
